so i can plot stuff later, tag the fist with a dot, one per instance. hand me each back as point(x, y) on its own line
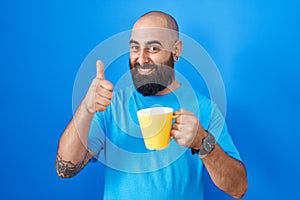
point(187, 130)
point(100, 93)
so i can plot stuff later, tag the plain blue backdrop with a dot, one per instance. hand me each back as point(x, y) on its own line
point(255, 45)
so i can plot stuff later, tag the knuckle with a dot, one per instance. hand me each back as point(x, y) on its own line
point(194, 120)
point(189, 130)
point(181, 142)
point(175, 126)
point(101, 109)
point(107, 103)
point(107, 84)
point(175, 132)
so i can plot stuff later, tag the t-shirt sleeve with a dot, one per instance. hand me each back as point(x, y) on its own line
point(96, 137)
point(218, 128)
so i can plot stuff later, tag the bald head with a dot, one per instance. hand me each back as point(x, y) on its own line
point(154, 39)
point(157, 19)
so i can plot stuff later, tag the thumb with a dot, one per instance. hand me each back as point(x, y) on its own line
point(100, 69)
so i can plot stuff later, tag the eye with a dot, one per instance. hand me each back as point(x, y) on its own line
point(134, 47)
point(153, 49)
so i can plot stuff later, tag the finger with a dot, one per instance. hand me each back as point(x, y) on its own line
point(185, 119)
point(100, 108)
point(176, 126)
point(174, 133)
point(100, 69)
point(107, 85)
point(180, 119)
point(182, 111)
point(104, 93)
point(178, 112)
point(102, 101)
point(177, 137)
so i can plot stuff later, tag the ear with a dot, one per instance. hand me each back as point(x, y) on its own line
point(177, 48)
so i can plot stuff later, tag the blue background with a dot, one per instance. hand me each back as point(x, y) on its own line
point(255, 45)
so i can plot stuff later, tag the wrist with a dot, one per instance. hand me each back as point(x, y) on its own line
point(84, 111)
point(207, 145)
point(86, 108)
point(197, 143)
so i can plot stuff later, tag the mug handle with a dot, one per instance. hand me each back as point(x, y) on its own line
point(174, 117)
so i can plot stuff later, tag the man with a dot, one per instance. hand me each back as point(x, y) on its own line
point(104, 123)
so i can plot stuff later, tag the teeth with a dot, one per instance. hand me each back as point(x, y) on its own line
point(145, 70)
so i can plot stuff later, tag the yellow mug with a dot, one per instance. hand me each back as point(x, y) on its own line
point(155, 125)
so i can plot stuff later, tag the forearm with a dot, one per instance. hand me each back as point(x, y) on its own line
point(72, 149)
point(72, 153)
point(226, 172)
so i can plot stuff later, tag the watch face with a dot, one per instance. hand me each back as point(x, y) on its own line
point(208, 144)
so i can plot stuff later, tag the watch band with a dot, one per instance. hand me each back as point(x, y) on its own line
point(208, 144)
point(195, 151)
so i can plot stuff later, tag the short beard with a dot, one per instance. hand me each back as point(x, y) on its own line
point(150, 85)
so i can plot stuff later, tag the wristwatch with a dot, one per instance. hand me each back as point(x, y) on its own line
point(208, 144)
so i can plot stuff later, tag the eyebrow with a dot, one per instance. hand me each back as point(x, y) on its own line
point(133, 41)
point(153, 42)
point(148, 43)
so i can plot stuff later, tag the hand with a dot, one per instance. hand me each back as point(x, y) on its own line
point(100, 93)
point(187, 130)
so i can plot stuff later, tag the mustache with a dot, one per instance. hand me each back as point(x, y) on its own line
point(145, 66)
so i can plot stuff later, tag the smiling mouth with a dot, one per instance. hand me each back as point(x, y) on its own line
point(145, 72)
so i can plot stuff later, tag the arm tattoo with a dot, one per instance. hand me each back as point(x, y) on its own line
point(68, 169)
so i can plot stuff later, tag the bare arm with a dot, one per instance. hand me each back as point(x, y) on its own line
point(67, 169)
point(72, 153)
point(227, 173)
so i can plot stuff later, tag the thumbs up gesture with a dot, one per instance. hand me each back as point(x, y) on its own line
point(100, 93)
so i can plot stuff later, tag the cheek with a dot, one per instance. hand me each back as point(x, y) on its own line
point(132, 58)
point(161, 57)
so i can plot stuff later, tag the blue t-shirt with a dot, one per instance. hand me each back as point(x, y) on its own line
point(133, 172)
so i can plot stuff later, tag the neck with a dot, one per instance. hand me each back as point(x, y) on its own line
point(170, 88)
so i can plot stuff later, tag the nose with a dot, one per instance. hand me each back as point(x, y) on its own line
point(143, 57)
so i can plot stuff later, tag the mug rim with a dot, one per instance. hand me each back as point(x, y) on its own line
point(155, 110)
